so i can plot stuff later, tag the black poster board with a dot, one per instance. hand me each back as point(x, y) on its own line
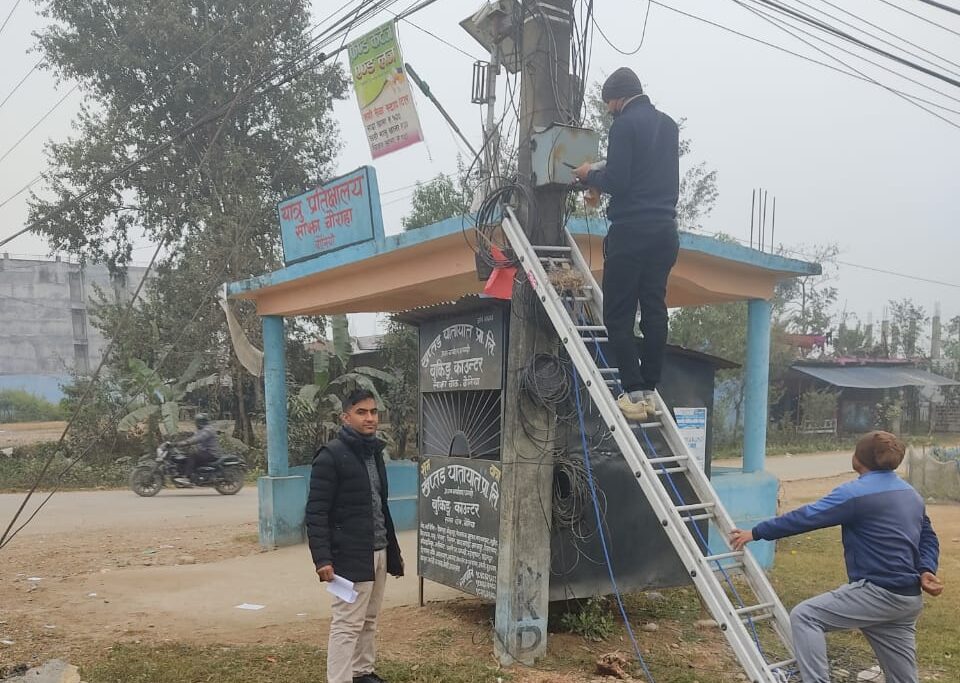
point(459, 524)
point(463, 352)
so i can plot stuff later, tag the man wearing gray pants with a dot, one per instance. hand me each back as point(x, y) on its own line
point(891, 553)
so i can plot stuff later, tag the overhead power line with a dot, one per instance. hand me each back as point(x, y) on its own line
point(880, 38)
point(919, 16)
point(940, 5)
point(22, 81)
point(798, 55)
point(9, 14)
point(823, 26)
point(889, 33)
point(787, 28)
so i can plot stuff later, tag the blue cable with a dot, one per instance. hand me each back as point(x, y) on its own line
point(603, 538)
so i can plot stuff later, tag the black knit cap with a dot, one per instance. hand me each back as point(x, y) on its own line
point(621, 83)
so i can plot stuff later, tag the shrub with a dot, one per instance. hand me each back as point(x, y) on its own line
point(17, 405)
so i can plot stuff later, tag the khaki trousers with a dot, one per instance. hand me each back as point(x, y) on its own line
point(352, 649)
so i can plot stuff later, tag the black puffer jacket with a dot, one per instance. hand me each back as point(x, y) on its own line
point(340, 512)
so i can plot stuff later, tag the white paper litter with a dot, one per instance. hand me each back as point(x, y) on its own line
point(6, 642)
point(342, 588)
point(250, 606)
point(34, 578)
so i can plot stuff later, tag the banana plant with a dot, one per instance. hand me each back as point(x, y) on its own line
point(159, 399)
point(315, 409)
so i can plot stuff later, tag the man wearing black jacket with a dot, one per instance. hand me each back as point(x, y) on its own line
point(351, 533)
point(642, 178)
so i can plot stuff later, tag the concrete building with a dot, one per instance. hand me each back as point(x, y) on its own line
point(45, 328)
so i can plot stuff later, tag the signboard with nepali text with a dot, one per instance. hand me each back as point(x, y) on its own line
point(458, 539)
point(383, 91)
point(339, 213)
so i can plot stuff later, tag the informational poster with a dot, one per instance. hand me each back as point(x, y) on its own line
point(692, 423)
point(383, 91)
point(464, 352)
point(339, 213)
point(459, 524)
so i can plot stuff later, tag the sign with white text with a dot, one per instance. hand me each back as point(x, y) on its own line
point(692, 423)
point(462, 352)
point(383, 91)
point(458, 540)
point(336, 214)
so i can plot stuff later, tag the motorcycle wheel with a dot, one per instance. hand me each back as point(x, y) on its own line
point(146, 481)
point(232, 482)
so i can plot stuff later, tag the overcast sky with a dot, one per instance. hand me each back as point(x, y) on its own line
point(848, 161)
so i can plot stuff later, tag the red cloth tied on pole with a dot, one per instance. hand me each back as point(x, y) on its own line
point(500, 283)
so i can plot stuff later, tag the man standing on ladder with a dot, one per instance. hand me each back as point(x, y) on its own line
point(642, 177)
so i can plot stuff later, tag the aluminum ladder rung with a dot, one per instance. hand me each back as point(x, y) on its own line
point(594, 339)
point(673, 458)
point(549, 247)
point(591, 328)
point(565, 311)
point(697, 518)
point(610, 371)
point(754, 608)
point(694, 507)
point(780, 665)
point(753, 619)
point(664, 471)
point(723, 556)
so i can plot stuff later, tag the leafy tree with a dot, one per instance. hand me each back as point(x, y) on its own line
point(401, 354)
point(313, 411)
point(907, 324)
point(803, 305)
point(158, 400)
point(442, 197)
point(698, 184)
point(148, 70)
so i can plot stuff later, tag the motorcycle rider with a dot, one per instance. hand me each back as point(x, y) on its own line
point(206, 448)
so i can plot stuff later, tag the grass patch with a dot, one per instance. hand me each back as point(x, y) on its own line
point(281, 664)
point(813, 563)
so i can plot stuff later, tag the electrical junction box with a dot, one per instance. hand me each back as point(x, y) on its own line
point(559, 149)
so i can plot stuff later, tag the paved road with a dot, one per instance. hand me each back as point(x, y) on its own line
point(86, 511)
point(94, 510)
point(809, 466)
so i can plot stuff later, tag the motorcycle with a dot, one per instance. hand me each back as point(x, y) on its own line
point(226, 474)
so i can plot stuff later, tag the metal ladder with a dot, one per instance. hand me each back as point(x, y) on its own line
point(737, 622)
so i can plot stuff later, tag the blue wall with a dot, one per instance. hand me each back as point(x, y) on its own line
point(749, 498)
point(402, 484)
point(48, 387)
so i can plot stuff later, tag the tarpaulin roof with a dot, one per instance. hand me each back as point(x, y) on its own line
point(872, 377)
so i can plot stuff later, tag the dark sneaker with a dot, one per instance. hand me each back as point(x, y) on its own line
point(368, 678)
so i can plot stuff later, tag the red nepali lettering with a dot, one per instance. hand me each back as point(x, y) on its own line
point(292, 211)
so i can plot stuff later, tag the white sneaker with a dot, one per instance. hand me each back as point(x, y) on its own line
point(636, 412)
point(183, 481)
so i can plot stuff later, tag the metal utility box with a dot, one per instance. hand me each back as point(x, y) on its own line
point(558, 150)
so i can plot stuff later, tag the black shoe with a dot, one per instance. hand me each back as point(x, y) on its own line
point(368, 678)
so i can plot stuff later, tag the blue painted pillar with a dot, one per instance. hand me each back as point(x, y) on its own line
point(280, 495)
point(275, 394)
point(756, 385)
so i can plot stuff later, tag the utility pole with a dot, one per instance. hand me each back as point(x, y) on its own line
point(523, 572)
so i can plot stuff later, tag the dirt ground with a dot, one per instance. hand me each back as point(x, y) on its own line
point(95, 591)
point(25, 433)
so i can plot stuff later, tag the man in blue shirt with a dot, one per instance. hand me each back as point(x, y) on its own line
point(642, 178)
point(891, 553)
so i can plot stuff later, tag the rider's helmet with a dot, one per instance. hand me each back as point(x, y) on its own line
point(201, 420)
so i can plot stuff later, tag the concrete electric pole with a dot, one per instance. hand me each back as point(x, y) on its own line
point(523, 573)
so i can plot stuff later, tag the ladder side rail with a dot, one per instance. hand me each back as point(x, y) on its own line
point(698, 481)
point(698, 568)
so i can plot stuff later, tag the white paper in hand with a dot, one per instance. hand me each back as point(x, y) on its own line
point(342, 588)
